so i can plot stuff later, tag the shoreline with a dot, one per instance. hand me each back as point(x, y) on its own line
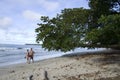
point(49, 56)
point(96, 65)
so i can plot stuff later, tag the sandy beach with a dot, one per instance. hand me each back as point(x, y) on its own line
point(104, 65)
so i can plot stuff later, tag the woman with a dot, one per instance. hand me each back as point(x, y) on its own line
point(27, 56)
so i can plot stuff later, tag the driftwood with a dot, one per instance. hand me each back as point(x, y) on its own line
point(46, 75)
point(30, 77)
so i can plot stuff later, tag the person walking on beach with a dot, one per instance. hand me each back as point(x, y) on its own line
point(27, 56)
point(31, 54)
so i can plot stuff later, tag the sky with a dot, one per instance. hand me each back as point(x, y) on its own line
point(19, 18)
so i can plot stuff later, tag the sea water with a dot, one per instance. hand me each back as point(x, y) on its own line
point(14, 54)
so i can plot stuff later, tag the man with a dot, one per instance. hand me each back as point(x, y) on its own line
point(31, 54)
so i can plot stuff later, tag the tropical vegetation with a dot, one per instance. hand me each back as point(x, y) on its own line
point(98, 26)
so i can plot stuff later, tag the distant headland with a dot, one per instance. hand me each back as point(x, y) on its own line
point(32, 44)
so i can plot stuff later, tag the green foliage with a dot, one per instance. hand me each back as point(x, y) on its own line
point(65, 31)
point(102, 7)
point(111, 29)
point(78, 27)
point(108, 33)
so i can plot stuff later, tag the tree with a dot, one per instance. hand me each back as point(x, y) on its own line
point(108, 33)
point(102, 7)
point(65, 31)
point(80, 27)
point(99, 27)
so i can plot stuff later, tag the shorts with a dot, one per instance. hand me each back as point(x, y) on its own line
point(31, 56)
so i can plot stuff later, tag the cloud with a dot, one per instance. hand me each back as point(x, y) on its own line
point(31, 15)
point(17, 36)
point(26, 14)
point(5, 22)
point(2, 34)
point(49, 5)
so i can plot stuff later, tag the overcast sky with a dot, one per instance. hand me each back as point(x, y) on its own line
point(19, 18)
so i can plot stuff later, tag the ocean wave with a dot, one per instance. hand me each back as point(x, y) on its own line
point(4, 49)
point(9, 49)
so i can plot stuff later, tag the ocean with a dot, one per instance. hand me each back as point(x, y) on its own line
point(14, 54)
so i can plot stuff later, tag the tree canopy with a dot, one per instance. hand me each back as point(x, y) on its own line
point(79, 27)
point(108, 33)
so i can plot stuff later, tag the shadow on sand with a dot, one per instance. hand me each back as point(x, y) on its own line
point(105, 58)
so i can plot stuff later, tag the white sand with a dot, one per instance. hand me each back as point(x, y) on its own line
point(86, 67)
